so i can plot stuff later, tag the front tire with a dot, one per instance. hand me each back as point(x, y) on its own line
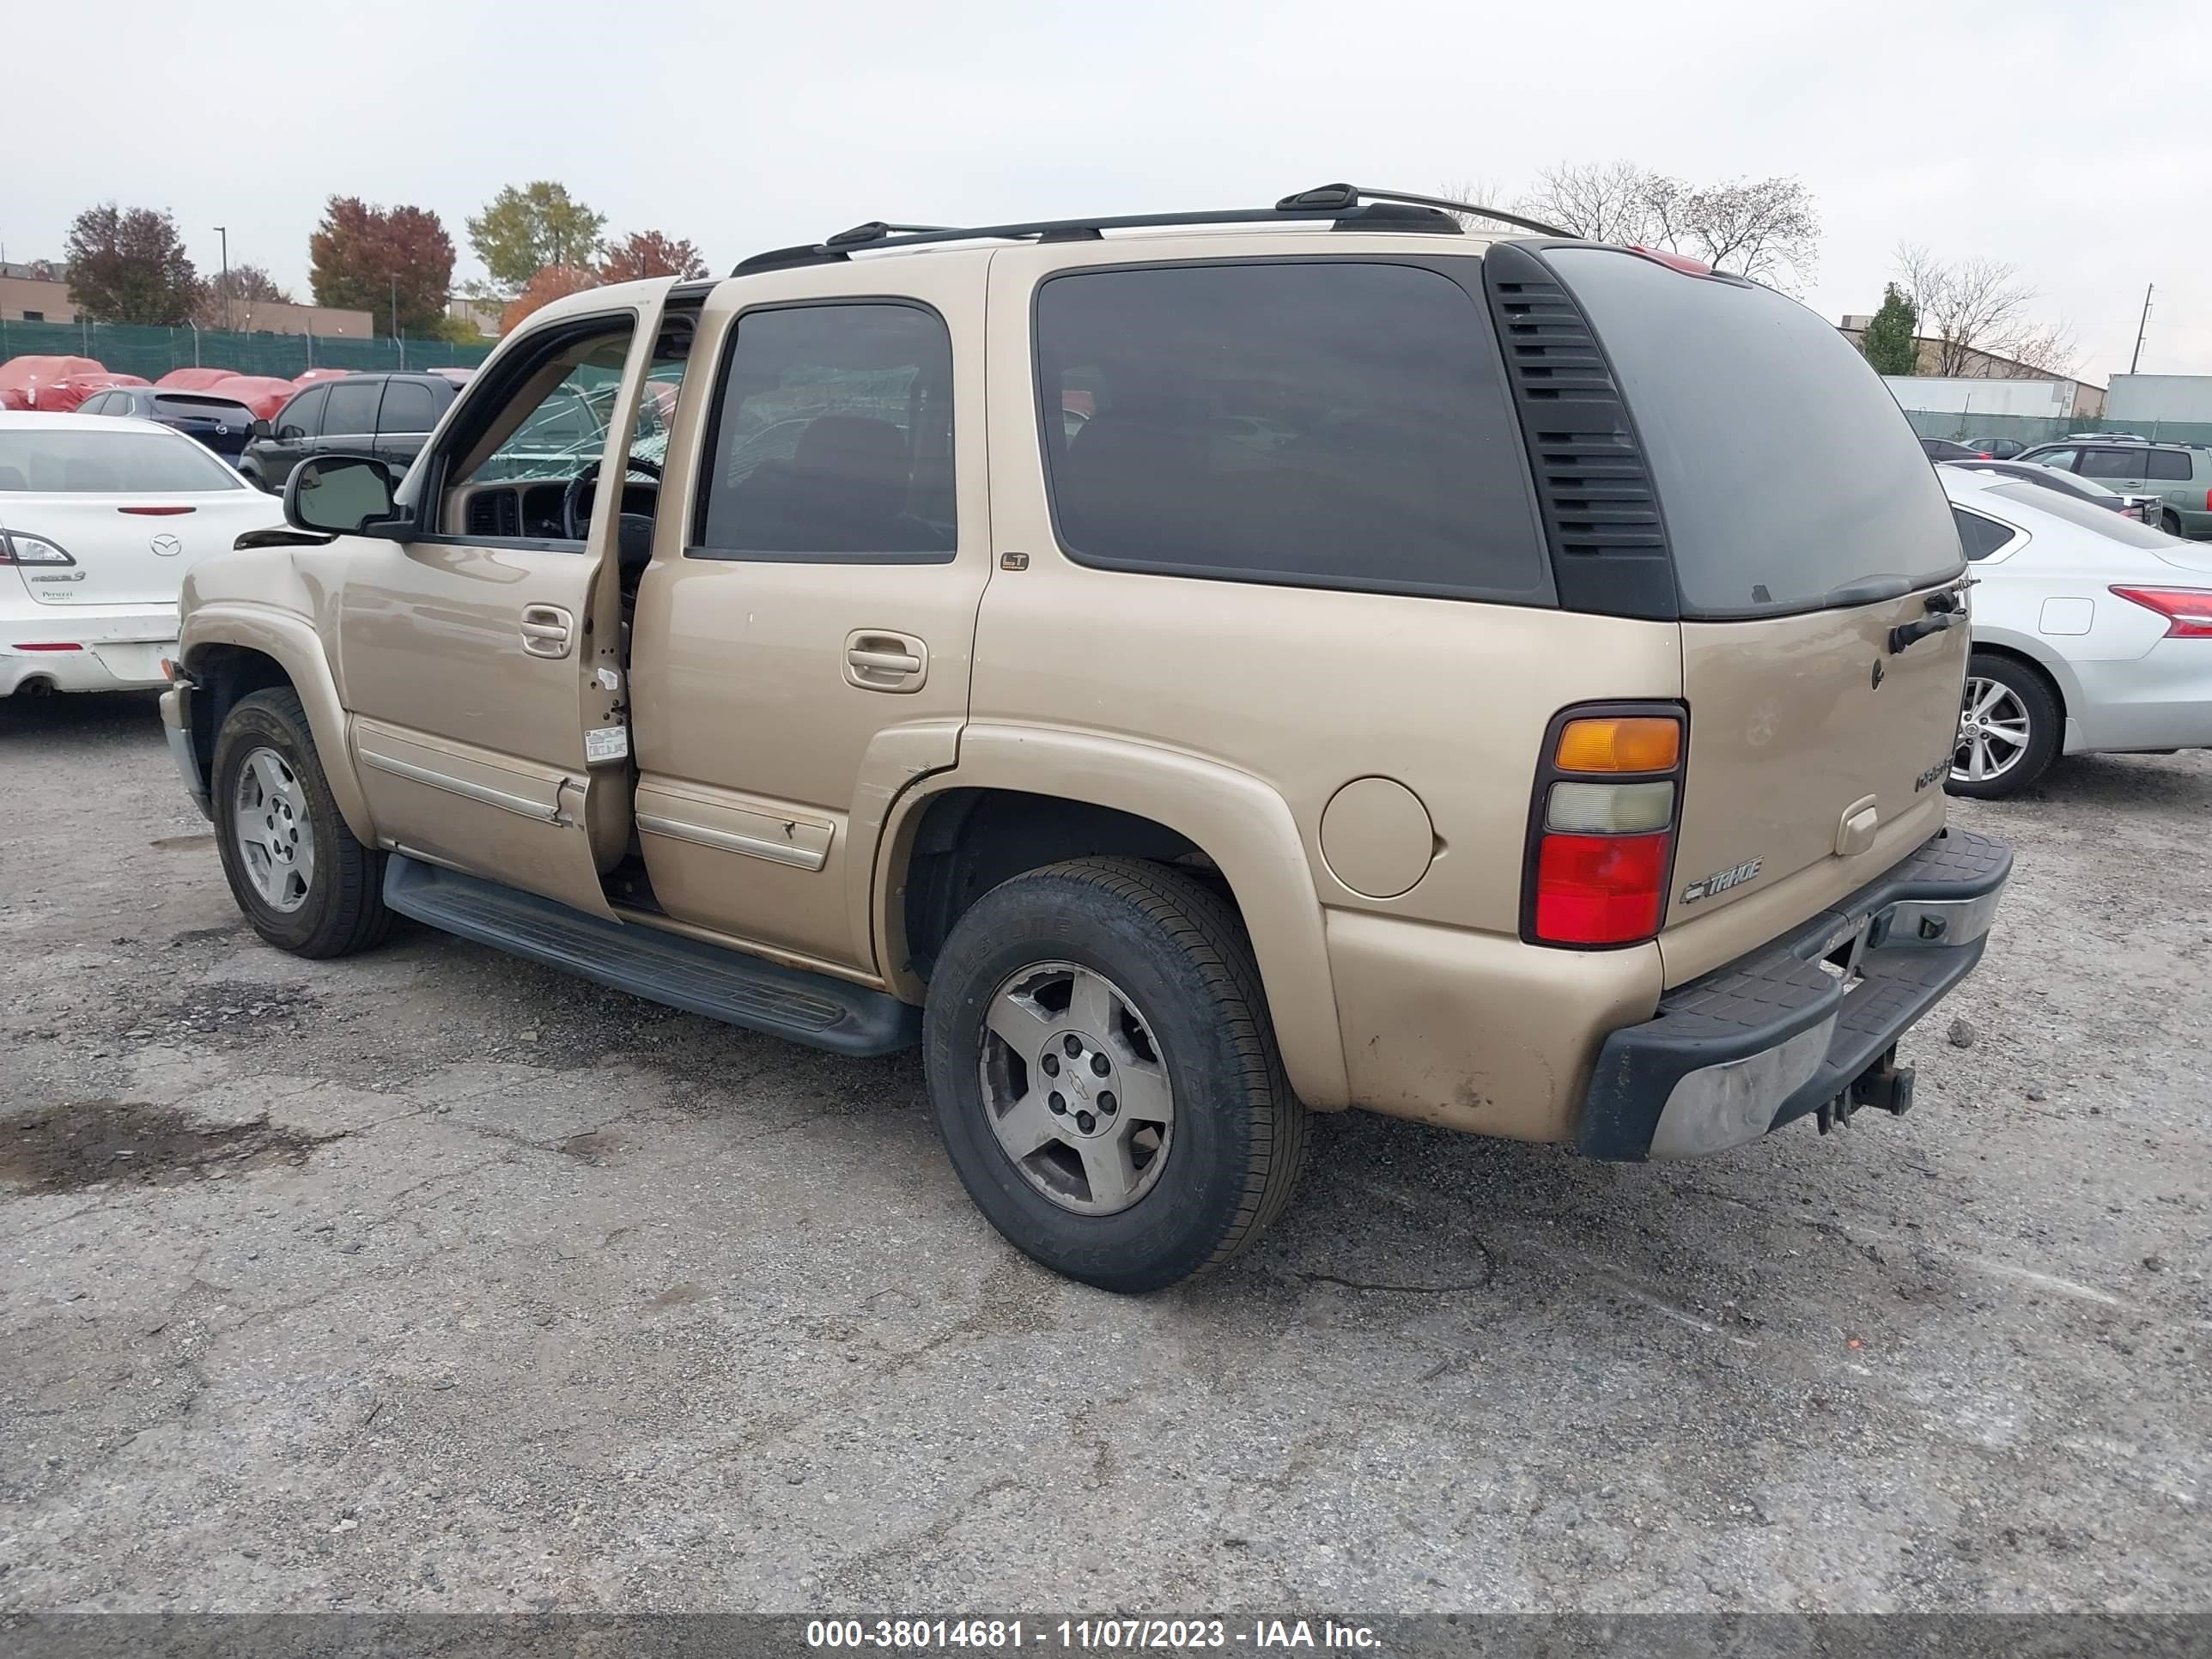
point(2008, 729)
point(296, 870)
point(1105, 1075)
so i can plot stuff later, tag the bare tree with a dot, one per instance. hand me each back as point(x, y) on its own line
point(1483, 192)
point(1766, 229)
point(1976, 310)
point(1608, 202)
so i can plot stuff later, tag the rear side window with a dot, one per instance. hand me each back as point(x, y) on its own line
point(408, 406)
point(1785, 470)
point(1979, 536)
point(832, 438)
point(303, 417)
point(2061, 460)
point(2113, 463)
point(2165, 465)
point(1331, 423)
point(352, 408)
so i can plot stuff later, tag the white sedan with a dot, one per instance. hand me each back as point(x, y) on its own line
point(2092, 633)
point(99, 518)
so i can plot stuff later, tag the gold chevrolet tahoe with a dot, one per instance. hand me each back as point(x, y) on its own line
point(1184, 671)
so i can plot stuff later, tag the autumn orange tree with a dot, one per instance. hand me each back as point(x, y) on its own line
point(550, 284)
point(650, 253)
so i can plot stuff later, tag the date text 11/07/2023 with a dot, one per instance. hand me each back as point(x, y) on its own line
point(1086, 1635)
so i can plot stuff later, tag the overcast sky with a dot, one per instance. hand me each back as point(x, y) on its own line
point(2072, 140)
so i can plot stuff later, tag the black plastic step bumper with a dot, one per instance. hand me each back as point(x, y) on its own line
point(1804, 1023)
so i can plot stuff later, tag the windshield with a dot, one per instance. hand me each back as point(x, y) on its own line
point(1785, 470)
point(2086, 515)
point(52, 461)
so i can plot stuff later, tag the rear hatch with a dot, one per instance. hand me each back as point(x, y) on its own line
point(219, 422)
point(1814, 559)
point(108, 514)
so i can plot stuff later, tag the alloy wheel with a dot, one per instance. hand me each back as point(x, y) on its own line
point(1993, 731)
point(1075, 1088)
point(276, 837)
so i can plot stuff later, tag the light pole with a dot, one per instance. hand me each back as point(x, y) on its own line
point(224, 231)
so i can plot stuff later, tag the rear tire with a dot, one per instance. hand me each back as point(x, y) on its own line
point(2169, 522)
point(2009, 719)
point(269, 792)
point(1134, 977)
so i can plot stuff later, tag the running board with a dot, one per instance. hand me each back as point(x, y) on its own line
point(684, 973)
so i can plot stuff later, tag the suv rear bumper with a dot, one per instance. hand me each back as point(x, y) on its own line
point(1783, 1032)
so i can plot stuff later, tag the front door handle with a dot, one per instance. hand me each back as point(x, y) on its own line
point(546, 630)
point(879, 661)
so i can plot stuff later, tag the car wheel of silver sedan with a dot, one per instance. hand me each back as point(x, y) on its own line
point(2008, 728)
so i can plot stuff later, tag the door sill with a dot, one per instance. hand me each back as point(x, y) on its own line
point(667, 967)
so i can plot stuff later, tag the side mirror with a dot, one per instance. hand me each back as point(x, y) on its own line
point(339, 495)
point(258, 427)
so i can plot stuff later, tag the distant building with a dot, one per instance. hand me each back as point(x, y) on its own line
point(29, 297)
point(2149, 399)
point(482, 315)
point(2084, 398)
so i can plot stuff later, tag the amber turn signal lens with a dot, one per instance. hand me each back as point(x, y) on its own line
point(1630, 744)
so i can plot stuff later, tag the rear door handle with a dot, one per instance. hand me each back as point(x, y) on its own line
point(879, 661)
point(546, 630)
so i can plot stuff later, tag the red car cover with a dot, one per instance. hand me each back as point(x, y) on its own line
point(71, 390)
point(195, 380)
point(265, 394)
point(28, 382)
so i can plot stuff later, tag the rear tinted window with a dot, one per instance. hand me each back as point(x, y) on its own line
point(47, 462)
point(409, 406)
point(180, 407)
point(1785, 469)
point(2165, 465)
point(833, 438)
point(1321, 424)
point(352, 407)
point(2086, 515)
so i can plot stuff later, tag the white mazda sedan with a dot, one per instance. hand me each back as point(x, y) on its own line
point(2092, 633)
point(99, 518)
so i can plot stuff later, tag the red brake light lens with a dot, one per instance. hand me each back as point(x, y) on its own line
point(154, 512)
point(1680, 262)
point(2187, 610)
point(1599, 890)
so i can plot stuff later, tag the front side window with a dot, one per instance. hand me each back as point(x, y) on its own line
point(1321, 423)
point(833, 438)
point(303, 417)
point(352, 408)
point(557, 426)
point(2167, 465)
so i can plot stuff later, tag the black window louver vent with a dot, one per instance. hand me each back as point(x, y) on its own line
point(1601, 513)
point(496, 513)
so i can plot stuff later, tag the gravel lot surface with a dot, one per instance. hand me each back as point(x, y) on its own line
point(434, 1280)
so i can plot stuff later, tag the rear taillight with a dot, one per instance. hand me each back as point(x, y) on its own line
point(17, 547)
point(2187, 610)
point(1602, 829)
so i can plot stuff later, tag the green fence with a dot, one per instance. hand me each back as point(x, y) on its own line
point(2040, 429)
point(153, 352)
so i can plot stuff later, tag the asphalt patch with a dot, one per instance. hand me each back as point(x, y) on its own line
point(62, 1149)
